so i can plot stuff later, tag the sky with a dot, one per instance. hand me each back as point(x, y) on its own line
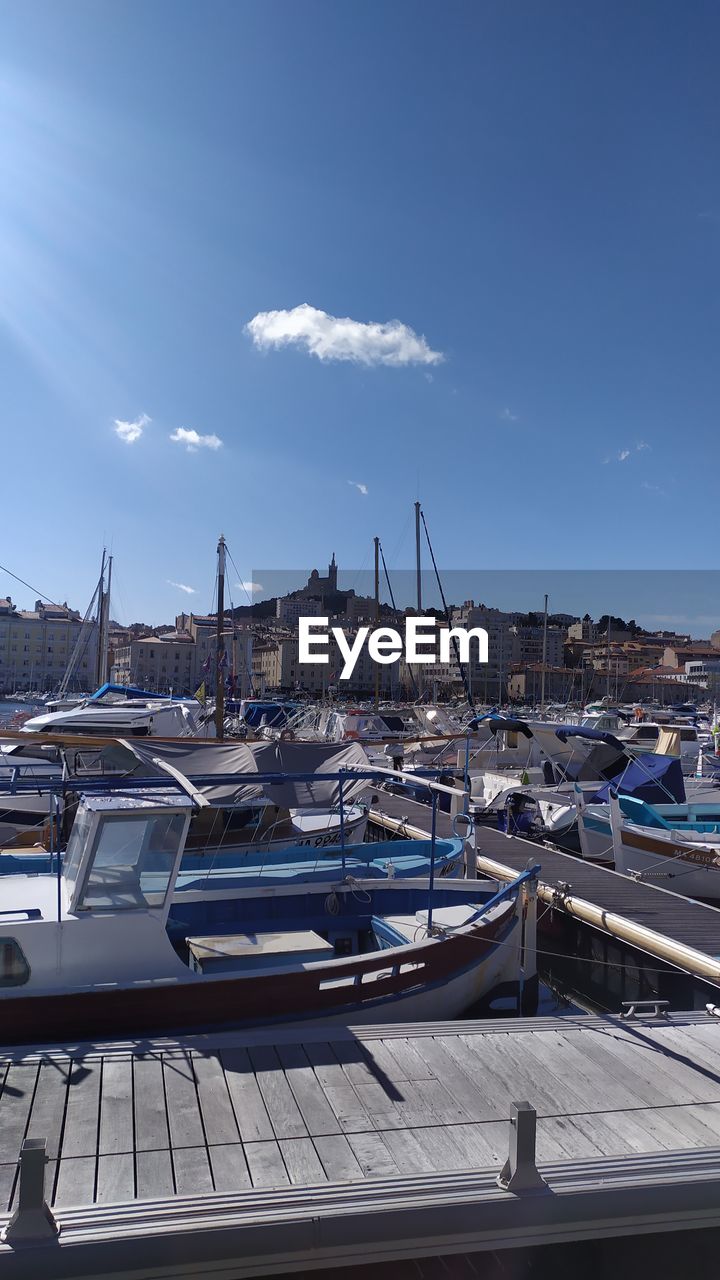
point(279, 268)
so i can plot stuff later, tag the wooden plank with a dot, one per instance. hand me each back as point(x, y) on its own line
point(607, 1133)
point(82, 1111)
point(373, 1156)
point(578, 1075)
point(266, 1165)
point(317, 1114)
point(75, 1182)
point(407, 1152)
point(338, 1158)
point(183, 1109)
point(410, 1056)
point(572, 1141)
point(302, 1161)
point(115, 1178)
point(215, 1105)
point(655, 1091)
point(352, 1116)
point(440, 1147)
point(284, 1113)
point(638, 1050)
point(192, 1171)
point(15, 1104)
point(154, 1175)
point(250, 1111)
point(116, 1107)
point(477, 1145)
point(151, 1124)
point(8, 1173)
point(48, 1108)
point(467, 1091)
point(229, 1167)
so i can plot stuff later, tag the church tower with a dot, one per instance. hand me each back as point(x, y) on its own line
point(332, 574)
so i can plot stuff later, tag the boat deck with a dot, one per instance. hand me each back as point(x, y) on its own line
point(691, 924)
point(242, 1117)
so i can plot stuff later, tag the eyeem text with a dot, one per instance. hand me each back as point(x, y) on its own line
point(386, 645)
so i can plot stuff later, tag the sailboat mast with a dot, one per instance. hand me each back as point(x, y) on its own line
point(377, 617)
point(100, 619)
point(418, 575)
point(220, 680)
point(104, 666)
point(544, 656)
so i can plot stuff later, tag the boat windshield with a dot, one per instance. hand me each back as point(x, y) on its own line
point(132, 862)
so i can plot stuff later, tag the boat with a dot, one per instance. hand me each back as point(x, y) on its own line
point(113, 943)
point(121, 711)
point(679, 852)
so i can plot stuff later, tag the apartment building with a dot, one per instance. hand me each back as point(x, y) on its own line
point(36, 646)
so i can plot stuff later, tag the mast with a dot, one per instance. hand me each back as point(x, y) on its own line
point(544, 657)
point(220, 678)
point(100, 623)
point(418, 575)
point(607, 682)
point(377, 616)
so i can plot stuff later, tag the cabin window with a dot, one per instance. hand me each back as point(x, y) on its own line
point(133, 862)
point(14, 968)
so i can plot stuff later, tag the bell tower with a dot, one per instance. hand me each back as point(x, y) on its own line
point(332, 574)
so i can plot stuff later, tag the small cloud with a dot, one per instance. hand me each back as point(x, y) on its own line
point(190, 591)
point(361, 488)
point(428, 377)
point(623, 454)
point(507, 416)
point(251, 588)
point(129, 432)
point(340, 338)
point(193, 440)
point(652, 488)
point(641, 444)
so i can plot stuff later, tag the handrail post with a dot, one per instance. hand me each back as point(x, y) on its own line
point(33, 1221)
point(520, 1173)
point(342, 823)
point(433, 842)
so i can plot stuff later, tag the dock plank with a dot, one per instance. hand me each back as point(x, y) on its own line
point(115, 1178)
point(151, 1123)
point(48, 1108)
point(250, 1111)
point(266, 1165)
point(82, 1112)
point(15, 1103)
point(229, 1167)
point(192, 1171)
point(302, 1161)
point(217, 1111)
point(154, 1174)
point(75, 1182)
point(318, 1116)
point(185, 1121)
point(116, 1107)
point(338, 1158)
point(285, 1115)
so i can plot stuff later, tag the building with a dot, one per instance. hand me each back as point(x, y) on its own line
point(289, 608)
point(37, 646)
point(529, 644)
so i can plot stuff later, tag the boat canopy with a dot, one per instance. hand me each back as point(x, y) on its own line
point(129, 691)
point(198, 757)
point(565, 731)
point(653, 778)
point(498, 724)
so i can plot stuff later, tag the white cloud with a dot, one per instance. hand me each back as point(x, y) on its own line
point(190, 591)
point(507, 416)
point(250, 587)
point(129, 432)
point(652, 488)
point(340, 338)
point(193, 440)
point(361, 488)
point(623, 454)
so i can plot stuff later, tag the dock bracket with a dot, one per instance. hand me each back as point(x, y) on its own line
point(33, 1222)
point(520, 1172)
point(657, 1009)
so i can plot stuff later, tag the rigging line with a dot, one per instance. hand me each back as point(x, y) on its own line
point(456, 649)
point(240, 581)
point(30, 587)
point(392, 601)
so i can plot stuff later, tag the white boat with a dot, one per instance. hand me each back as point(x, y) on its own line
point(681, 852)
point(117, 712)
point(112, 945)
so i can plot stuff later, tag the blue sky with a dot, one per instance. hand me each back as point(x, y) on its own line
point(531, 191)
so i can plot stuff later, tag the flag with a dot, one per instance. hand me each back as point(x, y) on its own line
point(207, 664)
point(222, 659)
point(200, 694)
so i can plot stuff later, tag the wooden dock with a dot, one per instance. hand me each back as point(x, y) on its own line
point(666, 925)
point(282, 1150)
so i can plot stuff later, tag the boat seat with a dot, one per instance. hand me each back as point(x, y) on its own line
point(449, 917)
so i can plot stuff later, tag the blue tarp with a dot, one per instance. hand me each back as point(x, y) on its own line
point(565, 731)
point(129, 691)
point(273, 712)
point(656, 779)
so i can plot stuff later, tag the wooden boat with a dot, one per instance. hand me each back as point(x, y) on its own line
point(113, 945)
point(677, 854)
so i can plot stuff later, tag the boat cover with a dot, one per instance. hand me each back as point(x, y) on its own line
point(196, 757)
point(652, 778)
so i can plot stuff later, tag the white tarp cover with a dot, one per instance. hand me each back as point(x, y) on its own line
point(195, 758)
